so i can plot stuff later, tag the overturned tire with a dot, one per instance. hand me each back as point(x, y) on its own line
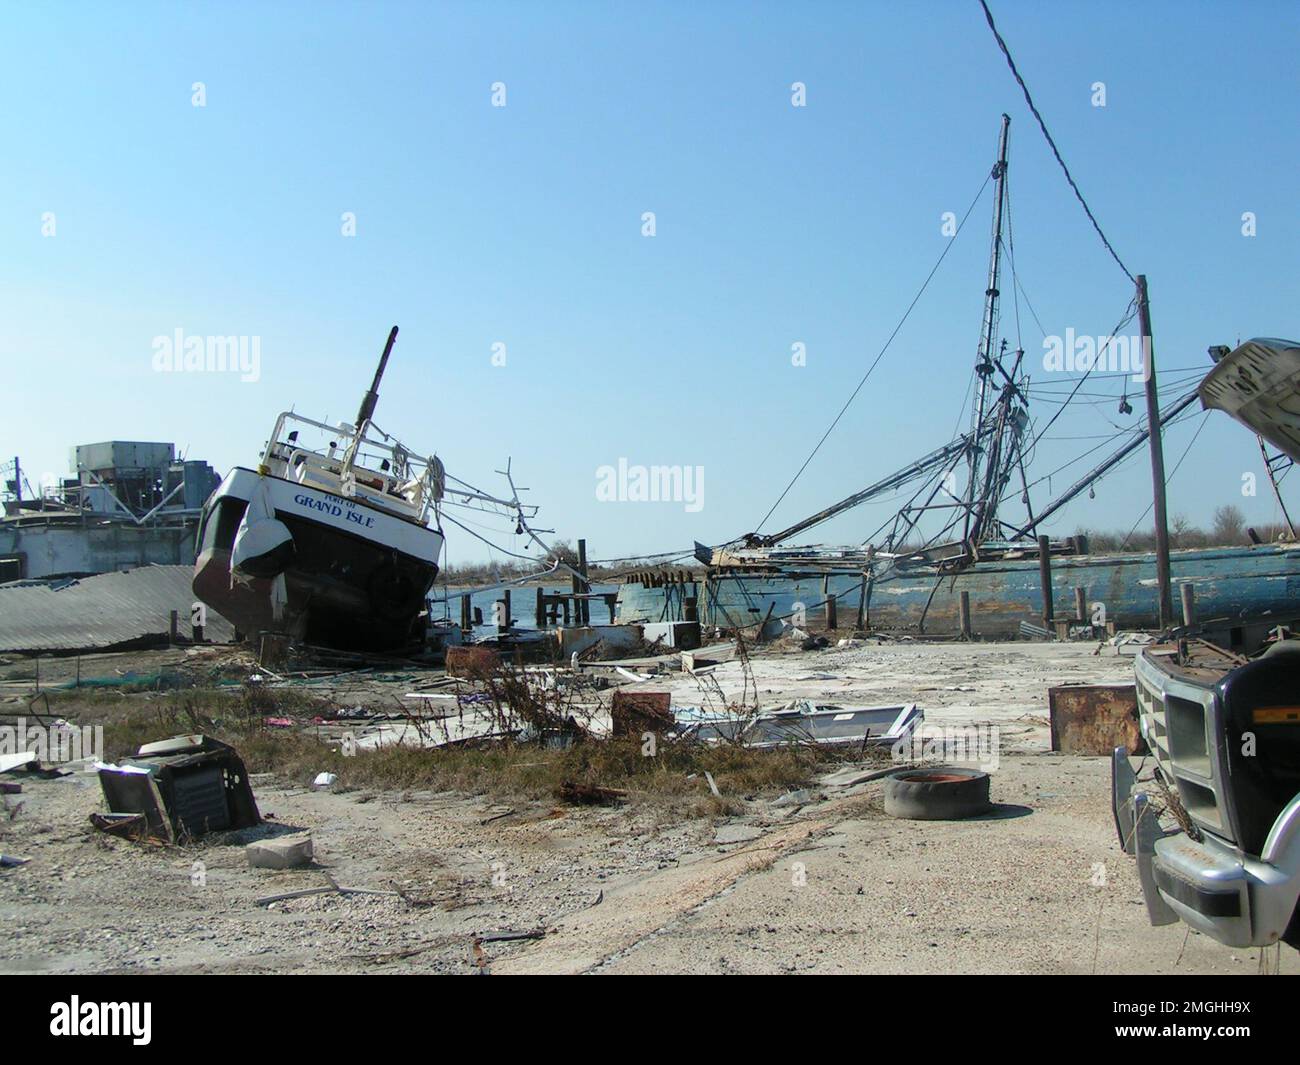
point(937, 794)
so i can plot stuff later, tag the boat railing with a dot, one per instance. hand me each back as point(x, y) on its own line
point(403, 485)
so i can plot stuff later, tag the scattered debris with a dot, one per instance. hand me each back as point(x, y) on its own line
point(508, 937)
point(125, 826)
point(852, 776)
point(803, 721)
point(1095, 719)
point(799, 797)
point(184, 787)
point(10, 762)
point(471, 661)
point(332, 889)
point(284, 852)
point(728, 834)
point(943, 794)
point(636, 713)
point(1130, 643)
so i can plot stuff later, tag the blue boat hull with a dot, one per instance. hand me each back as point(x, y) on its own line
point(1230, 584)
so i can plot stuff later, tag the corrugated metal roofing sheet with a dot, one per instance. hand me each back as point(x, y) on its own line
point(94, 613)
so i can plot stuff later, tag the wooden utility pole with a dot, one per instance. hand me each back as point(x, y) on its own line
point(1155, 438)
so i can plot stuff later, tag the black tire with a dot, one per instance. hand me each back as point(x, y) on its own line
point(939, 794)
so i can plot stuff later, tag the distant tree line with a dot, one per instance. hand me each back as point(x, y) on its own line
point(514, 568)
point(1228, 529)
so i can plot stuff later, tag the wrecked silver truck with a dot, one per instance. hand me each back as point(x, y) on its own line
point(1215, 827)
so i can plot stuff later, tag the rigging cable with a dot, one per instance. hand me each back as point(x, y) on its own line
point(1167, 480)
point(901, 322)
point(1079, 384)
point(1051, 143)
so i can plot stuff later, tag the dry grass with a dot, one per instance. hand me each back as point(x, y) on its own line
point(673, 777)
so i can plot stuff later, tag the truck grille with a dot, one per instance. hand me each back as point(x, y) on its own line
point(1180, 723)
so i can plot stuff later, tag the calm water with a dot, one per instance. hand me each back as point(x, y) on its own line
point(523, 604)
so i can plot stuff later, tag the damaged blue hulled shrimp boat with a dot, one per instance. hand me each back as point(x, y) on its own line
point(917, 594)
point(334, 539)
point(912, 582)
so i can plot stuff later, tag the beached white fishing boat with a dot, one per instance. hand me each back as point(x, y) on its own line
point(334, 538)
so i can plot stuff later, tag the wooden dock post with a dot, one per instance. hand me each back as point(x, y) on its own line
point(1045, 578)
point(174, 630)
point(1188, 594)
point(964, 608)
point(830, 603)
point(584, 605)
point(466, 615)
point(539, 613)
point(505, 599)
point(1080, 605)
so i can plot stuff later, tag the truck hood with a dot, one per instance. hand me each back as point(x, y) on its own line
point(1258, 383)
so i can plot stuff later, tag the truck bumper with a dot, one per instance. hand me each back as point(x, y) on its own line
point(1238, 899)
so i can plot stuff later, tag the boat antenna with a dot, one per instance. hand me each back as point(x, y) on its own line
point(368, 401)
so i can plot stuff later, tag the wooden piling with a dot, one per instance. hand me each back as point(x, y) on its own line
point(466, 616)
point(539, 613)
point(1080, 605)
point(964, 614)
point(1188, 594)
point(830, 603)
point(1045, 578)
point(584, 605)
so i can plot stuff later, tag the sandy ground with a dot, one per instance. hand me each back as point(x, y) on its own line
point(831, 886)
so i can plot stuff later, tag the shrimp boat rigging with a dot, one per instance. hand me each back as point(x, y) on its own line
point(334, 538)
point(911, 582)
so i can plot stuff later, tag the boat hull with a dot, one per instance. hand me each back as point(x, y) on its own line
point(356, 578)
point(1230, 583)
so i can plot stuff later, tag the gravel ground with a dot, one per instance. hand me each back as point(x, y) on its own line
point(831, 886)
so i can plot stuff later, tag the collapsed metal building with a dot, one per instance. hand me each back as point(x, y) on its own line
point(127, 504)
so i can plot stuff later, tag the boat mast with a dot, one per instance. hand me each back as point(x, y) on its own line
point(984, 359)
point(369, 400)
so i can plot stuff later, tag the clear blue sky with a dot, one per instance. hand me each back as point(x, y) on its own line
point(522, 225)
